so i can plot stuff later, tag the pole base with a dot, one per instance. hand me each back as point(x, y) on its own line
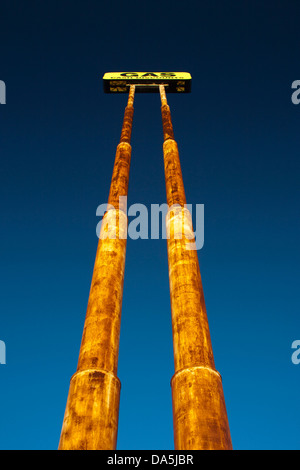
point(91, 416)
point(199, 412)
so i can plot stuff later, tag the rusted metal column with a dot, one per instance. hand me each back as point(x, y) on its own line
point(199, 412)
point(91, 415)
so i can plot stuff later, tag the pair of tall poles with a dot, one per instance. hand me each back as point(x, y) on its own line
point(199, 412)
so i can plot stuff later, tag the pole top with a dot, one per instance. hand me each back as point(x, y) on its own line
point(147, 82)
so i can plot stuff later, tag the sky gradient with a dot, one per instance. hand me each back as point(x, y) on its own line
point(238, 137)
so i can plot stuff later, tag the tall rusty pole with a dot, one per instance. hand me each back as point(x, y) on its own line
point(199, 412)
point(91, 415)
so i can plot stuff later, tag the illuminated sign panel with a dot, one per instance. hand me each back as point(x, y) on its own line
point(147, 82)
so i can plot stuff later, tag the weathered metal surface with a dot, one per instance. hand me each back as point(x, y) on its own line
point(91, 415)
point(128, 116)
point(166, 115)
point(199, 413)
point(199, 410)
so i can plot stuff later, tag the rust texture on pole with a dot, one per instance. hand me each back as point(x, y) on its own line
point(199, 413)
point(92, 410)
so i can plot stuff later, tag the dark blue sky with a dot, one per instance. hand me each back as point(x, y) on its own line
point(238, 137)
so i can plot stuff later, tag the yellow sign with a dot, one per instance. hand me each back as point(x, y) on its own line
point(147, 82)
point(147, 76)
